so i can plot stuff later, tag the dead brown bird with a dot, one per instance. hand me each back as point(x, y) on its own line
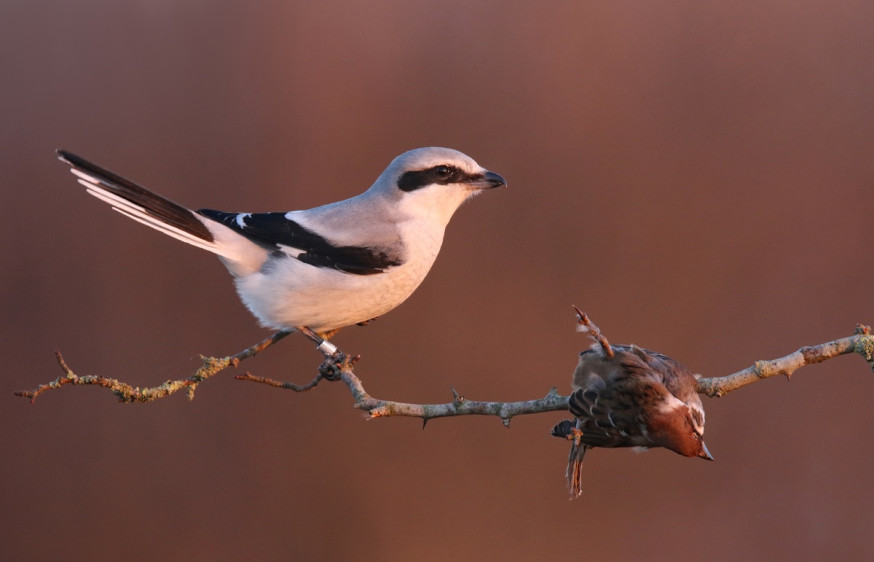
point(627, 396)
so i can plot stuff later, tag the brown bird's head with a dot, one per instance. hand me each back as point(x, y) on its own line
point(679, 426)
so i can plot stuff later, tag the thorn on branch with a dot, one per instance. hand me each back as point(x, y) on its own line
point(457, 398)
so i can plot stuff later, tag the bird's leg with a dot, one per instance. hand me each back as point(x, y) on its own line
point(321, 340)
point(336, 362)
point(586, 325)
point(367, 322)
point(328, 334)
point(575, 435)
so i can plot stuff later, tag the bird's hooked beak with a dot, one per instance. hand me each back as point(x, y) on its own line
point(705, 454)
point(488, 180)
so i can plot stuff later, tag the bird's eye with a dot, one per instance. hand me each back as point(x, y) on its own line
point(442, 172)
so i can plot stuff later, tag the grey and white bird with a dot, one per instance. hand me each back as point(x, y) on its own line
point(324, 268)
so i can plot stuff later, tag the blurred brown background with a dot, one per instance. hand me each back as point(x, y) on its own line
point(696, 176)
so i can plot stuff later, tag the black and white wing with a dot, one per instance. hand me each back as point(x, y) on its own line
point(284, 237)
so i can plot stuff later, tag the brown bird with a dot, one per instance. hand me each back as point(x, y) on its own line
point(626, 396)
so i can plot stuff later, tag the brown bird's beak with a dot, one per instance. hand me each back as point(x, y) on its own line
point(705, 454)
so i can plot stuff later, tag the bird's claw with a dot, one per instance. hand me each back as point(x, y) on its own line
point(575, 435)
point(333, 367)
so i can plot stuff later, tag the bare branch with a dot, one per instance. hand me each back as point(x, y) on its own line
point(128, 393)
point(553, 401)
point(861, 343)
point(338, 366)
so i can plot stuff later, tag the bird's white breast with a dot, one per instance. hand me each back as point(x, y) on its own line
point(288, 293)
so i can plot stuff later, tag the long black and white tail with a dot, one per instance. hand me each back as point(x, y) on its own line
point(140, 204)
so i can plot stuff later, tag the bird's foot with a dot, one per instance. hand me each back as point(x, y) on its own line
point(335, 365)
point(336, 362)
point(575, 435)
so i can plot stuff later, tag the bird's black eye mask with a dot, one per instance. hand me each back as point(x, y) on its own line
point(442, 174)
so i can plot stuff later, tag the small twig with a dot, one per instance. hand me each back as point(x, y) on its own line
point(247, 376)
